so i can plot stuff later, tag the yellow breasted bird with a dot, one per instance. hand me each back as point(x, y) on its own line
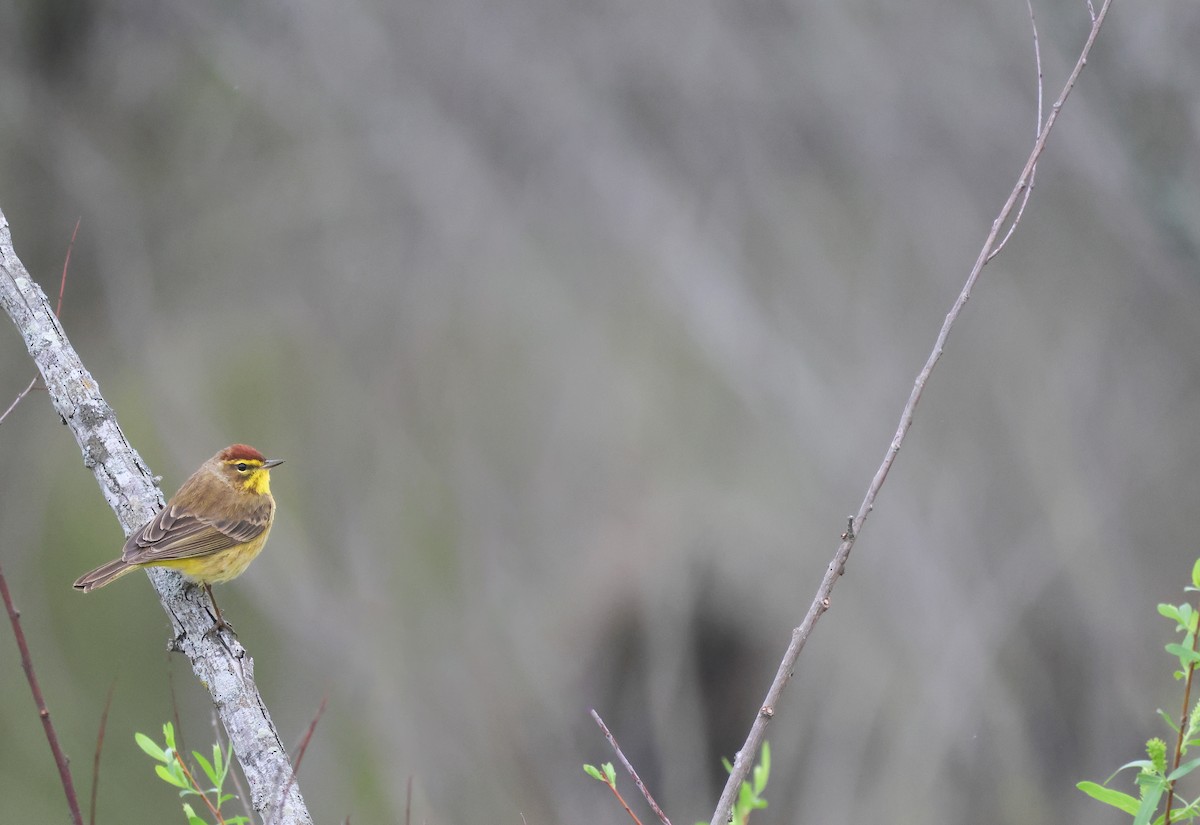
point(210, 530)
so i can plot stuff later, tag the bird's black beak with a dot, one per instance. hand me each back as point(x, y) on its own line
point(272, 462)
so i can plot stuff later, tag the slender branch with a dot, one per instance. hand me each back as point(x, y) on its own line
point(745, 757)
point(60, 758)
point(308, 734)
point(218, 660)
point(612, 786)
point(62, 282)
point(62, 287)
point(180, 736)
point(612, 740)
point(200, 791)
point(1183, 716)
point(620, 799)
point(20, 396)
point(1041, 87)
point(99, 747)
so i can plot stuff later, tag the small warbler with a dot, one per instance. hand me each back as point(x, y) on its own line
point(210, 530)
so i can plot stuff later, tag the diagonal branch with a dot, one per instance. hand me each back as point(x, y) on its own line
point(820, 603)
point(60, 758)
point(612, 740)
point(219, 662)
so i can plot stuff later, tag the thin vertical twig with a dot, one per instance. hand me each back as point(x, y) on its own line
point(303, 746)
point(1041, 85)
point(308, 735)
point(744, 758)
point(60, 758)
point(612, 740)
point(408, 801)
point(180, 737)
point(99, 746)
point(62, 282)
point(62, 288)
point(1183, 714)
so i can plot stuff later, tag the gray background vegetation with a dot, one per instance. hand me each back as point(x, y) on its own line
point(582, 327)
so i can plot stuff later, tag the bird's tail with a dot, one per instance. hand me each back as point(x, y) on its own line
point(102, 575)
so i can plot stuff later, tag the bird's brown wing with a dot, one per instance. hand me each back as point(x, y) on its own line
point(175, 534)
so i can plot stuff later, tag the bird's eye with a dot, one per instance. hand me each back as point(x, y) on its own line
point(242, 466)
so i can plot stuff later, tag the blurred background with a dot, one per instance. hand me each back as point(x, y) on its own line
point(582, 328)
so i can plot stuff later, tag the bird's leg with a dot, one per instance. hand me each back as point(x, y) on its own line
point(219, 622)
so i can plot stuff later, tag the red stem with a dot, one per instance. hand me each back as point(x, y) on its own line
point(60, 758)
point(1183, 718)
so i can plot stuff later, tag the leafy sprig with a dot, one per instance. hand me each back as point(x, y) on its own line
point(1158, 774)
point(175, 772)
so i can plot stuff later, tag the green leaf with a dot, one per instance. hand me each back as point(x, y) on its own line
point(1166, 717)
point(1149, 804)
point(207, 767)
point(191, 815)
point(606, 773)
point(762, 770)
point(171, 778)
point(169, 735)
point(1171, 612)
point(1140, 764)
point(1196, 574)
point(150, 747)
point(1186, 654)
point(1109, 796)
point(1183, 770)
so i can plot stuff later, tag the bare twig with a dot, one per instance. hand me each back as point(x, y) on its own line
point(662, 817)
point(220, 664)
point(308, 735)
point(745, 757)
point(303, 746)
point(408, 802)
point(1041, 86)
point(60, 758)
point(612, 786)
point(62, 282)
point(62, 287)
point(180, 737)
point(20, 396)
point(99, 747)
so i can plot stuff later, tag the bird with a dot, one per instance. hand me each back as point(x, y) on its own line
point(210, 530)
